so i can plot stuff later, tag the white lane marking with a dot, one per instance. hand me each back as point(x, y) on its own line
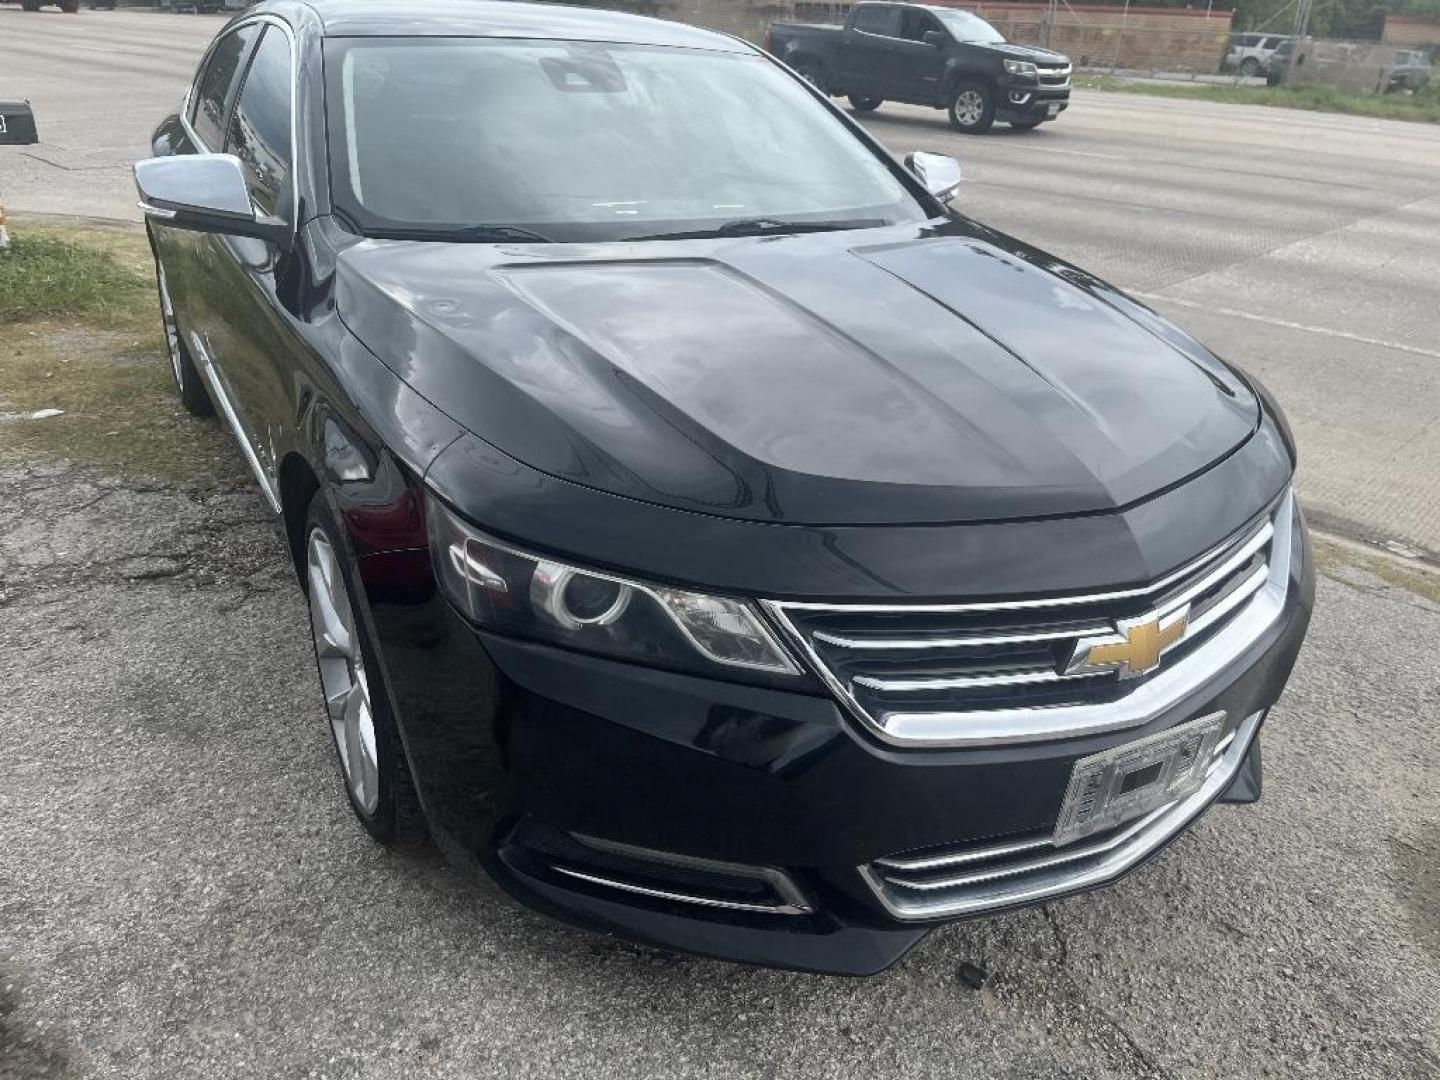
point(1287, 324)
point(1075, 153)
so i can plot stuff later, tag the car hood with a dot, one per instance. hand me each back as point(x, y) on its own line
point(1033, 53)
point(916, 375)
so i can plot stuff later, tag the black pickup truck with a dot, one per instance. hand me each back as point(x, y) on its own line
point(928, 55)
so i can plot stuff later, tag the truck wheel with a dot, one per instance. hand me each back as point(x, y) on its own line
point(972, 109)
point(1249, 67)
point(865, 104)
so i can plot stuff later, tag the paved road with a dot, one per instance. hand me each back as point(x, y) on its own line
point(1304, 246)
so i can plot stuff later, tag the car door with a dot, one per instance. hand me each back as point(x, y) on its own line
point(207, 108)
point(865, 48)
point(917, 69)
point(252, 334)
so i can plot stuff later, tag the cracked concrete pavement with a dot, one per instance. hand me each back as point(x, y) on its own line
point(183, 891)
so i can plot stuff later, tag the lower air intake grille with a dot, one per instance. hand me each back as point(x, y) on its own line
point(661, 876)
point(973, 878)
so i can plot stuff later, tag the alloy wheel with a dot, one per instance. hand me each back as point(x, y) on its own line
point(969, 107)
point(342, 672)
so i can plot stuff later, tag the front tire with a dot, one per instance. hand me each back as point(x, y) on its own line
point(861, 104)
point(972, 109)
point(372, 761)
point(1249, 67)
point(188, 383)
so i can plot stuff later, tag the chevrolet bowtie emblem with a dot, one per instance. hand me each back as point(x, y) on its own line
point(1136, 647)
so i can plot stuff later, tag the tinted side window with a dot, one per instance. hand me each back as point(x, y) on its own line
point(213, 90)
point(873, 19)
point(259, 133)
point(916, 24)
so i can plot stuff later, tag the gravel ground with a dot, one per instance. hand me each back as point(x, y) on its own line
point(184, 893)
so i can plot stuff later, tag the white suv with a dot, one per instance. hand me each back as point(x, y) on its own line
point(1250, 54)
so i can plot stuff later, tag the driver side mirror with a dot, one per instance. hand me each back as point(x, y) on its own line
point(935, 39)
point(940, 174)
point(17, 124)
point(205, 193)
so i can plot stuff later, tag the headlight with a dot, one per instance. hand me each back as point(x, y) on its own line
point(511, 591)
point(1021, 67)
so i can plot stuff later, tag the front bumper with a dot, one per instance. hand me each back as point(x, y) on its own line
point(1026, 101)
point(731, 820)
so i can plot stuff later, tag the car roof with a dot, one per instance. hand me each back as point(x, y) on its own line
point(507, 18)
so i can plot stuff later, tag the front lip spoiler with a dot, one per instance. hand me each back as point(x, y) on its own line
point(1147, 838)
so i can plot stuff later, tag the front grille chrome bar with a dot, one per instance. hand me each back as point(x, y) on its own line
point(1029, 880)
point(1235, 592)
point(1018, 678)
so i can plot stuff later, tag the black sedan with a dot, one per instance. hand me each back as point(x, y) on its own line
point(707, 532)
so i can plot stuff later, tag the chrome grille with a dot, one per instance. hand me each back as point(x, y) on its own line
point(1008, 671)
point(1055, 77)
point(972, 878)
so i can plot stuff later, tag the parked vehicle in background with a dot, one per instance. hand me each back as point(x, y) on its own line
point(922, 55)
point(201, 7)
point(1412, 71)
point(1252, 54)
point(1280, 63)
point(72, 6)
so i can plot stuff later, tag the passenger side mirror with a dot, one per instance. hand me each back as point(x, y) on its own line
point(940, 174)
point(205, 193)
point(935, 38)
point(17, 124)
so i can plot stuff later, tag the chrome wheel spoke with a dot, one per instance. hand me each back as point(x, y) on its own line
point(342, 673)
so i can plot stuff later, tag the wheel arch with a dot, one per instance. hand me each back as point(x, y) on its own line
point(298, 484)
point(959, 76)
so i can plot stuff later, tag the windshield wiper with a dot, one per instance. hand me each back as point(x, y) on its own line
point(766, 227)
point(498, 234)
point(471, 234)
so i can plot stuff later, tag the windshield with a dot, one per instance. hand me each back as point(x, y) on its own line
point(583, 141)
point(966, 27)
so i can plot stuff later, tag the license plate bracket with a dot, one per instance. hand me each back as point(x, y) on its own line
point(1135, 778)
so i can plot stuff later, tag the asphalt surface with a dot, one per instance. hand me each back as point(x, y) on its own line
point(184, 893)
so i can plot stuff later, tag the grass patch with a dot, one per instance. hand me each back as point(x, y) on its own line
point(80, 332)
point(1423, 107)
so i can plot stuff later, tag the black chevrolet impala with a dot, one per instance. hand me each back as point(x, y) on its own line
point(708, 533)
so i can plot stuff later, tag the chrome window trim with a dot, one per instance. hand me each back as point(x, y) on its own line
point(204, 147)
point(1141, 840)
point(981, 728)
